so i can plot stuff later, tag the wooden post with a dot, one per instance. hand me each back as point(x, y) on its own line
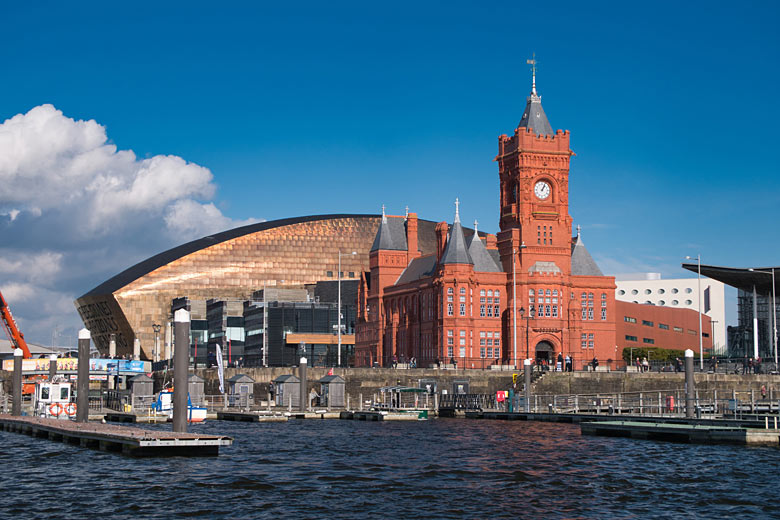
point(304, 385)
point(527, 383)
point(689, 383)
point(82, 381)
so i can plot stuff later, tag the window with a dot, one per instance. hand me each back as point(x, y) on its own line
point(688, 290)
point(661, 302)
point(482, 292)
point(603, 314)
point(678, 329)
point(489, 311)
point(647, 323)
point(462, 342)
point(555, 292)
point(532, 310)
point(330, 274)
point(490, 352)
point(590, 296)
point(590, 313)
point(462, 290)
point(490, 293)
point(634, 291)
point(649, 341)
point(482, 352)
point(688, 302)
point(497, 293)
point(554, 311)
point(629, 319)
point(495, 352)
point(621, 292)
point(463, 334)
point(661, 291)
point(496, 314)
point(530, 292)
point(674, 290)
point(691, 332)
point(546, 311)
point(352, 274)
point(548, 293)
point(663, 326)
point(450, 290)
point(704, 334)
point(462, 299)
point(462, 309)
point(584, 340)
point(449, 309)
point(584, 314)
point(449, 351)
point(481, 311)
point(497, 341)
point(630, 338)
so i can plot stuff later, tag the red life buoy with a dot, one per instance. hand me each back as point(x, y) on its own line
point(70, 409)
point(55, 409)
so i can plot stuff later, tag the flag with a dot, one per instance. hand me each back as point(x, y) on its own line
point(707, 300)
point(220, 370)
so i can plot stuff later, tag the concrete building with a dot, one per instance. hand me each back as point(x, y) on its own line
point(679, 293)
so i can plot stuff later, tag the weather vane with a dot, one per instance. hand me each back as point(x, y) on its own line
point(532, 63)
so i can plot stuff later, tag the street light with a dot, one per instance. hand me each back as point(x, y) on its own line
point(522, 313)
point(339, 310)
point(514, 305)
point(698, 297)
point(156, 328)
point(774, 309)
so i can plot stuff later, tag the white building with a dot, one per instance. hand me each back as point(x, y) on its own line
point(649, 288)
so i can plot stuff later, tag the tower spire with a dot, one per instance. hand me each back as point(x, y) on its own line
point(532, 63)
point(475, 226)
point(578, 231)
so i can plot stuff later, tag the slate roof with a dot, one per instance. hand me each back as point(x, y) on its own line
point(456, 251)
point(483, 260)
point(535, 118)
point(582, 263)
point(391, 235)
point(421, 267)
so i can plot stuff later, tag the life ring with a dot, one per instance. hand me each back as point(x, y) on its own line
point(55, 409)
point(70, 409)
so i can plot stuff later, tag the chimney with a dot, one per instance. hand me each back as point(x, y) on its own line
point(491, 242)
point(441, 239)
point(411, 235)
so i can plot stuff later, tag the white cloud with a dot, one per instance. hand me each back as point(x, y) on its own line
point(75, 210)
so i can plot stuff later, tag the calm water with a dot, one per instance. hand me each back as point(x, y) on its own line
point(436, 469)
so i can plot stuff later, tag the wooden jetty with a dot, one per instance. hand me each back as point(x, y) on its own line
point(694, 433)
point(122, 439)
point(576, 418)
point(249, 417)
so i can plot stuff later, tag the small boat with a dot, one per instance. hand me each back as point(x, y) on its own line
point(164, 405)
point(54, 399)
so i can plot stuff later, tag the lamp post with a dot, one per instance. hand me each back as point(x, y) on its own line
point(698, 296)
point(156, 327)
point(339, 305)
point(522, 314)
point(774, 310)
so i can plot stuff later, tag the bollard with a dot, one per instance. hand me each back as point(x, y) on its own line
point(181, 364)
point(52, 366)
point(527, 381)
point(689, 384)
point(16, 406)
point(303, 401)
point(82, 381)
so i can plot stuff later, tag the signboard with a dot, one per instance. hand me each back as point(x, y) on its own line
point(72, 364)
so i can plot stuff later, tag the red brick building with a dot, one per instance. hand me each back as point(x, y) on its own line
point(654, 326)
point(460, 303)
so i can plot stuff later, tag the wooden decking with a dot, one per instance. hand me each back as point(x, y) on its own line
point(123, 439)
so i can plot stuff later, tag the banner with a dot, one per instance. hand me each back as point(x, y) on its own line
point(707, 300)
point(72, 364)
point(220, 370)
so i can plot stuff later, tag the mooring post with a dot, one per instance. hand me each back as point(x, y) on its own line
point(690, 389)
point(527, 381)
point(181, 368)
point(52, 366)
point(269, 400)
point(304, 384)
point(82, 380)
point(16, 406)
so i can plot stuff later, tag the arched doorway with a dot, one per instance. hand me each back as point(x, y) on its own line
point(544, 352)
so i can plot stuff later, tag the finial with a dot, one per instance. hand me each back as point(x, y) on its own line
point(457, 215)
point(475, 228)
point(578, 231)
point(384, 218)
point(532, 63)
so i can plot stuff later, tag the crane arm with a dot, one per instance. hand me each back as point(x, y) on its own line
point(15, 335)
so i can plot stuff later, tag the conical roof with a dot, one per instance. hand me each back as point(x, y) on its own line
point(483, 262)
point(456, 251)
point(535, 118)
point(582, 263)
point(390, 235)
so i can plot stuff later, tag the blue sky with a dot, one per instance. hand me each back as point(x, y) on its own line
point(314, 108)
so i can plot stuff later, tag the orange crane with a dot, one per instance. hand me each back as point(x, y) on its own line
point(16, 336)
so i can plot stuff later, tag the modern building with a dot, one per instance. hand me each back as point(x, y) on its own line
point(531, 291)
point(679, 293)
point(660, 327)
point(231, 265)
point(757, 308)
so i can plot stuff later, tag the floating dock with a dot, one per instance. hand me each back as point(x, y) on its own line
point(249, 417)
point(694, 433)
point(745, 422)
point(136, 442)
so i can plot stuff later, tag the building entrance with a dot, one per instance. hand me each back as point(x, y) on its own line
point(544, 352)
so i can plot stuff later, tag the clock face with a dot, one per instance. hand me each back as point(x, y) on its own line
point(542, 190)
